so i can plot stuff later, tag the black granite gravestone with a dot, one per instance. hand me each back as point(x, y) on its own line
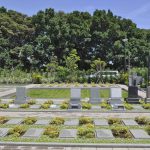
point(133, 95)
point(148, 95)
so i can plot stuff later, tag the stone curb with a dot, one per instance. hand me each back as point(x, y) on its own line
point(78, 111)
point(76, 145)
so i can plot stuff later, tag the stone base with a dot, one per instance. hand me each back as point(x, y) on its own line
point(147, 100)
point(74, 106)
point(95, 101)
point(133, 100)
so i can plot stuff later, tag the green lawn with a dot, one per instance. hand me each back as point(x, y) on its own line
point(65, 93)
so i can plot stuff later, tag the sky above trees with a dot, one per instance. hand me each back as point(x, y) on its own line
point(136, 10)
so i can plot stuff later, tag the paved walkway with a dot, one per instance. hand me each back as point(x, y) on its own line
point(7, 147)
point(8, 90)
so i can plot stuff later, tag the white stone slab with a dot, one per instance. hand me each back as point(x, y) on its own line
point(104, 134)
point(72, 122)
point(33, 133)
point(130, 122)
point(139, 134)
point(14, 106)
point(35, 106)
point(3, 131)
point(42, 122)
point(101, 122)
point(14, 121)
point(68, 133)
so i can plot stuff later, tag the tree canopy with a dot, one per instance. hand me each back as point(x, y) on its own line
point(30, 42)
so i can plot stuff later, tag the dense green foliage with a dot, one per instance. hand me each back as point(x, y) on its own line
point(46, 40)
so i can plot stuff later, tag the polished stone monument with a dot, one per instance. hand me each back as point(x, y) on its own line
point(75, 102)
point(20, 95)
point(95, 96)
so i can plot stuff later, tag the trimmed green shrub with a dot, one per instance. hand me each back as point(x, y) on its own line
point(105, 104)
point(17, 131)
point(121, 132)
point(3, 119)
point(142, 120)
point(29, 120)
point(86, 105)
point(36, 78)
point(148, 129)
point(32, 102)
point(86, 131)
point(51, 131)
point(57, 121)
point(114, 121)
point(4, 106)
point(11, 101)
point(85, 120)
point(64, 105)
point(25, 106)
point(45, 106)
point(128, 106)
point(50, 102)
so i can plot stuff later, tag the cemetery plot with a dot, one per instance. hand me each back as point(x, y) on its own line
point(68, 133)
point(14, 121)
point(130, 122)
point(101, 122)
point(104, 134)
point(33, 133)
point(139, 134)
point(72, 122)
point(42, 122)
point(3, 131)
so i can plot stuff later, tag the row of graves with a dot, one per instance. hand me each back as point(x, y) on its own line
point(68, 128)
point(115, 99)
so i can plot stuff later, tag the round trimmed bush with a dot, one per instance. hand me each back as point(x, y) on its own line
point(142, 120)
point(45, 106)
point(57, 121)
point(4, 106)
point(25, 106)
point(32, 102)
point(86, 105)
point(50, 102)
point(114, 121)
point(64, 105)
point(3, 119)
point(51, 131)
point(85, 120)
point(29, 120)
point(17, 131)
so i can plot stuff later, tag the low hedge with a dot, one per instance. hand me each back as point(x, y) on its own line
point(141, 120)
point(57, 121)
point(86, 105)
point(114, 121)
point(3, 119)
point(51, 131)
point(4, 106)
point(17, 131)
point(29, 120)
point(85, 120)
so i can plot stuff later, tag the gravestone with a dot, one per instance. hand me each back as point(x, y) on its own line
point(14, 121)
point(133, 95)
point(104, 134)
point(95, 96)
point(129, 122)
point(3, 131)
point(35, 106)
point(68, 133)
point(20, 95)
point(139, 134)
point(115, 98)
point(42, 122)
point(75, 98)
point(101, 122)
point(33, 133)
point(148, 95)
point(72, 122)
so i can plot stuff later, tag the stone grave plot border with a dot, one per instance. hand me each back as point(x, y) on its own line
point(4, 131)
point(33, 133)
point(139, 134)
point(14, 121)
point(68, 133)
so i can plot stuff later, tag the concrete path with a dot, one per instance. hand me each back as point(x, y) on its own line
point(74, 114)
point(9, 90)
point(7, 147)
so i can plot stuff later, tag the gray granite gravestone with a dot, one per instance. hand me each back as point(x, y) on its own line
point(14, 121)
point(68, 133)
point(115, 98)
point(72, 122)
point(33, 133)
point(101, 122)
point(148, 95)
point(3, 131)
point(129, 122)
point(75, 102)
point(139, 134)
point(42, 122)
point(133, 95)
point(95, 96)
point(104, 134)
point(20, 95)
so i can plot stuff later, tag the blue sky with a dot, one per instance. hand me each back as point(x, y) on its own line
point(137, 10)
